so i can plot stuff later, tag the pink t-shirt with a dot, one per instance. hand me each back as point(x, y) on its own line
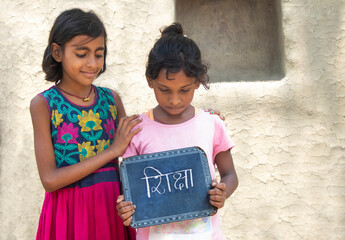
point(205, 131)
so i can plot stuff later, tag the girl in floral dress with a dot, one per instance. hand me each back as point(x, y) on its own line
point(79, 131)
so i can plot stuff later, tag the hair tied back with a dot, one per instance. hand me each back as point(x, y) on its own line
point(173, 29)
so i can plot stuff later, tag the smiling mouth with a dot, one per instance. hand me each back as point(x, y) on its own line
point(90, 74)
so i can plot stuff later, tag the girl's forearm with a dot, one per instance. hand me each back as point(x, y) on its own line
point(57, 178)
point(231, 182)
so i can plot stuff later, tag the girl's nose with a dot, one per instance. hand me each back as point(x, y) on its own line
point(91, 61)
point(174, 99)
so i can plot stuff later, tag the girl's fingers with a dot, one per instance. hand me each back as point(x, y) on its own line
point(127, 214)
point(120, 198)
point(131, 119)
point(217, 204)
point(135, 131)
point(217, 198)
point(133, 123)
point(123, 204)
point(127, 123)
point(221, 186)
point(216, 185)
point(125, 209)
point(127, 221)
point(217, 194)
point(216, 112)
point(125, 120)
point(212, 111)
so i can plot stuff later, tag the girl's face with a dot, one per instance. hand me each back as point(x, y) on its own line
point(82, 59)
point(174, 96)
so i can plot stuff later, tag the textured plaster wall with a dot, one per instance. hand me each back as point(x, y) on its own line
point(289, 134)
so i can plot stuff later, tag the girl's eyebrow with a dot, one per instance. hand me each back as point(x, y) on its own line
point(188, 85)
point(86, 48)
point(162, 85)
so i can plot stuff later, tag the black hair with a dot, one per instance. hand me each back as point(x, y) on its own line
point(67, 25)
point(174, 51)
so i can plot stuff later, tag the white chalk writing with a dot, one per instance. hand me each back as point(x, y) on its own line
point(154, 176)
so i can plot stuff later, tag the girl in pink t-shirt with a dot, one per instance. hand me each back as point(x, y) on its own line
point(174, 71)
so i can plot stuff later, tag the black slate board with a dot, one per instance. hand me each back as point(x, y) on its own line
point(167, 186)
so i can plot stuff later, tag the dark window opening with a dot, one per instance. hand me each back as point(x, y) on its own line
point(240, 40)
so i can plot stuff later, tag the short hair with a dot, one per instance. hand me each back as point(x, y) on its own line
point(67, 25)
point(174, 51)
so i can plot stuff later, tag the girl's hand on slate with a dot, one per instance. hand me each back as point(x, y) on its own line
point(125, 210)
point(217, 194)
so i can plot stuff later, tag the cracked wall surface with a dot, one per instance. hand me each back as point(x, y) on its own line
point(289, 134)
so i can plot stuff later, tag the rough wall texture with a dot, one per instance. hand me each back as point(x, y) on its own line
point(290, 134)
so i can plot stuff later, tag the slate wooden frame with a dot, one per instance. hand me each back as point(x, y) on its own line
point(174, 202)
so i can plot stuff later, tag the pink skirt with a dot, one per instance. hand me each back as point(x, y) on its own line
point(87, 213)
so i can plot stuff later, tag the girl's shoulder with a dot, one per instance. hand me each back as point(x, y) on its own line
point(103, 89)
point(107, 90)
point(37, 100)
point(212, 119)
point(39, 105)
point(46, 93)
point(110, 94)
point(207, 115)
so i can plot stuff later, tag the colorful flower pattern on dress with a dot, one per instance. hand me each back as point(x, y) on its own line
point(86, 150)
point(102, 145)
point(56, 118)
point(67, 134)
point(113, 111)
point(89, 121)
point(110, 128)
point(80, 132)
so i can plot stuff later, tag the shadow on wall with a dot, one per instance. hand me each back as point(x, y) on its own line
point(240, 40)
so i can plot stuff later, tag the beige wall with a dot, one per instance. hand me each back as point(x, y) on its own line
point(290, 134)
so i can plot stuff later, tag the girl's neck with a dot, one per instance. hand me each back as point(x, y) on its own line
point(161, 116)
point(82, 95)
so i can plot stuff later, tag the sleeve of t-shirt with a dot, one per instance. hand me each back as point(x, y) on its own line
point(131, 150)
point(221, 139)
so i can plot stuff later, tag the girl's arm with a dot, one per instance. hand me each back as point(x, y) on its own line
point(228, 182)
point(121, 112)
point(54, 178)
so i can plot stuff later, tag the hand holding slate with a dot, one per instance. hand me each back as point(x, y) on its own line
point(217, 198)
point(217, 194)
point(125, 210)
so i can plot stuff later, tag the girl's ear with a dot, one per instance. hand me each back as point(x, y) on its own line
point(149, 82)
point(56, 52)
point(197, 84)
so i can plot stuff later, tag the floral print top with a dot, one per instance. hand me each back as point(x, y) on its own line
point(80, 132)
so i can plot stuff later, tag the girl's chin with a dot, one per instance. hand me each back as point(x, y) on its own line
point(174, 111)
